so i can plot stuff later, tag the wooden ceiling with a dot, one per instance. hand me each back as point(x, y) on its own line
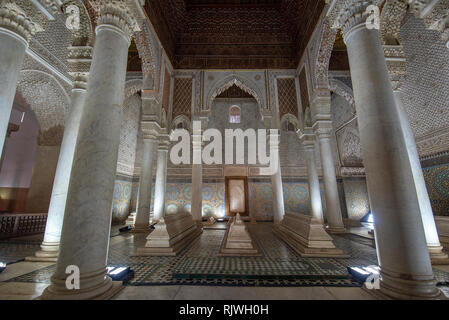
point(234, 34)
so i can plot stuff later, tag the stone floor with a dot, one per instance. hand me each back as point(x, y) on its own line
point(197, 273)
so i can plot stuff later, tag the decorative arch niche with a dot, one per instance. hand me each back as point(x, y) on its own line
point(245, 84)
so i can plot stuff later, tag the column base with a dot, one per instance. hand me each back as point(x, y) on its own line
point(130, 221)
point(336, 230)
point(49, 253)
point(104, 290)
point(437, 256)
point(199, 224)
point(140, 229)
point(393, 287)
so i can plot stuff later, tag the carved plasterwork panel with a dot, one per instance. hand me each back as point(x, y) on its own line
point(288, 103)
point(250, 82)
point(49, 101)
point(182, 97)
point(272, 76)
point(393, 13)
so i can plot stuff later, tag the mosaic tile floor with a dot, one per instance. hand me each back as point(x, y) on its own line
point(198, 264)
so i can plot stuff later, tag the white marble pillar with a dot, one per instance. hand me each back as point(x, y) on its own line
point(406, 270)
point(396, 64)
point(87, 219)
point(430, 228)
point(142, 221)
point(308, 141)
point(278, 192)
point(334, 217)
point(161, 178)
point(15, 32)
point(197, 177)
point(50, 245)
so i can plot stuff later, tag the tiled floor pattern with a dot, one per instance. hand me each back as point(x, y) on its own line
point(13, 251)
point(198, 264)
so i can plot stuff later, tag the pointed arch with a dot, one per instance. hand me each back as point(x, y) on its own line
point(243, 83)
point(342, 90)
point(323, 54)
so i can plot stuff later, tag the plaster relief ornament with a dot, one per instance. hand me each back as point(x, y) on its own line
point(73, 20)
point(373, 20)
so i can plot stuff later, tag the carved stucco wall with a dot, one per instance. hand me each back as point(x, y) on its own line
point(356, 198)
point(124, 199)
point(426, 88)
point(128, 135)
point(48, 100)
point(52, 44)
point(252, 80)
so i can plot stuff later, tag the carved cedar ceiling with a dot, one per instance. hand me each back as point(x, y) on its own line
point(233, 34)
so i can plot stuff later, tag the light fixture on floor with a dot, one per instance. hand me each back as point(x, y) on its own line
point(361, 274)
point(2, 266)
point(125, 229)
point(120, 273)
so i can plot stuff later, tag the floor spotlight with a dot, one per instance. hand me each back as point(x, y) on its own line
point(125, 229)
point(120, 273)
point(361, 274)
point(2, 266)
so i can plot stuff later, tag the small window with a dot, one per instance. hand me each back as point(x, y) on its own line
point(234, 114)
point(180, 125)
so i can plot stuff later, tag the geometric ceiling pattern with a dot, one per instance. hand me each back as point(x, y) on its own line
point(250, 34)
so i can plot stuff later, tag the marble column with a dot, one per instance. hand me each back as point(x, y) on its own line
point(396, 64)
point(406, 270)
point(276, 184)
point(16, 30)
point(323, 131)
point(50, 245)
point(142, 221)
point(197, 177)
point(430, 229)
point(308, 141)
point(161, 177)
point(87, 219)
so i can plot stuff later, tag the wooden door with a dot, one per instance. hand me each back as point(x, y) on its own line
point(236, 196)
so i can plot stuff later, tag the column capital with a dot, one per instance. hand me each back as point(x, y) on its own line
point(348, 15)
point(307, 138)
point(164, 140)
point(25, 18)
point(151, 130)
point(79, 61)
point(323, 129)
point(151, 107)
point(125, 15)
point(435, 15)
point(320, 105)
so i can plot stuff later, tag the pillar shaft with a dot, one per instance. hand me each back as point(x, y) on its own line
point(278, 195)
point(12, 53)
point(312, 175)
point(161, 181)
point(430, 229)
point(87, 220)
point(197, 175)
point(333, 209)
point(50, 245)
point(197, 189)
point(406, 271)
point(142, 222)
